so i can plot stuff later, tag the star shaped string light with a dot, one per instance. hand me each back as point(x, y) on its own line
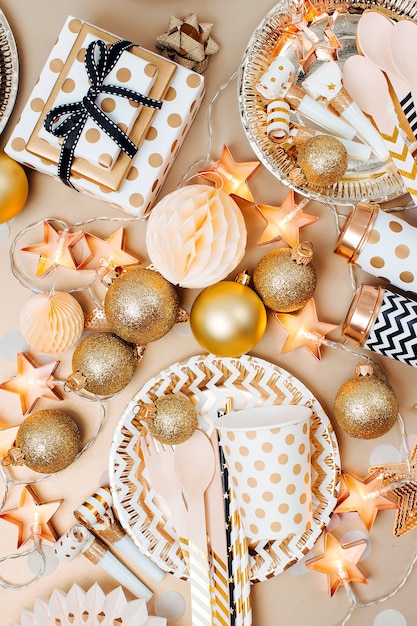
point(233, 176)
point(59, 247)
point(364, 498)
point(304, 329)
point(31, 510)
point(7, 438)
point(32, 382)
point(109, 252)
point(284, 221)
point(339, 562)
point(400, 479)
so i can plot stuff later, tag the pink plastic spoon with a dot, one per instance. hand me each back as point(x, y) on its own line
point(373, 34)
point(404, 52)
point(368, 87)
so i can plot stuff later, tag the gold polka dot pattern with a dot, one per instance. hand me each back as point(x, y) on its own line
point(269, 468)
point(160, 147)
point(390, 252)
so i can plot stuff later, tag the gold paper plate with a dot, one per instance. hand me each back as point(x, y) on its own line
point(373, 180)
point(9, 71)
point(209, 381)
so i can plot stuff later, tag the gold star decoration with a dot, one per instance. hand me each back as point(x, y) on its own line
point(231, 175)
point(32, 511)
point(58, 248)
point(339, 562)
point(304, 329)
point(32, 382)
point(400, 479)
point(188, 42)
point(284, 221)
point(364, 498)
point(109, 252)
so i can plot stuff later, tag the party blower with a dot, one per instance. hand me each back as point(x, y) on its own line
point(97, 515)
point(326, 82)
point(278, 82)
point(79, 540)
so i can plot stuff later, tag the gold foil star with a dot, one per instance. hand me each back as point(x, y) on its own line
point(57, 248)
point(285, 221)
point(32, 382)
point(109, 252)
point(339, 562)
point(365, 499)
point(401, 480)
point(232, 176)
point(304, 329)
point(32, 511)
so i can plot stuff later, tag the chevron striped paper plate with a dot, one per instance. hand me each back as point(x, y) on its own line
point(9, 71)
point(209, 381)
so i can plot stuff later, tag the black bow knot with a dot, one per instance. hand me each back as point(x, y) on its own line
point(99, 61)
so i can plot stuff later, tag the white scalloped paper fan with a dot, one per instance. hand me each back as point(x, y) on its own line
point(89, 608)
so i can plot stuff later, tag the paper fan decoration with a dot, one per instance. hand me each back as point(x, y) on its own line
point(89, 608)
point(196, 236)
point(52, 323)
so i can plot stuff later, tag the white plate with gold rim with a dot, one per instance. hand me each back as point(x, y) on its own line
point(209, 381)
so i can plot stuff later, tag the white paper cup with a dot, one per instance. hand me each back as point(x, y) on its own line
point(267, 451)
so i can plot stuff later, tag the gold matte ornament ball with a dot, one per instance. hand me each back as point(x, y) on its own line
point(106, 361)
point(283, 284)
point(366, 407)
point(141, 306)
point(228, 319)
point(14, 188)
point(49, 440)
point(175, 419)
point(323, 160)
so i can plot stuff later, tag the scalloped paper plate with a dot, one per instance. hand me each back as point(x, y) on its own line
point(209, 381)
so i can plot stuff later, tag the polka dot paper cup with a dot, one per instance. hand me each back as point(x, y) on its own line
point(267, 451)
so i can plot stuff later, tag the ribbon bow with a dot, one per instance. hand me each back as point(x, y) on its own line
point(99, 61)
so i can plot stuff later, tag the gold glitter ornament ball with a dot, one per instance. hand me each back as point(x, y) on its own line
point(228, 319)
point(141, 306)
point(284, 283)
point(323, 160)
point(49, 441)
point(365, 406)
point(106, 361)
point(172, 419)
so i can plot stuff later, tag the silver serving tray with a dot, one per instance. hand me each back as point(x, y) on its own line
point(373, 180)
point(9, 71)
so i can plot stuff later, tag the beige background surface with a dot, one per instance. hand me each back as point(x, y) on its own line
point(297, 597)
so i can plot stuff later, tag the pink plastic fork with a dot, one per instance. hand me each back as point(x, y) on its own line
point(159, 461)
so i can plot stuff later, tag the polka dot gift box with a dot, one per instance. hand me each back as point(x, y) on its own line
point(157, 112)
point(381, 244)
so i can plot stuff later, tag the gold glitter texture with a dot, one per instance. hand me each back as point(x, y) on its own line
point(283, 283)
point(141, 306)
point(173, 420)
point(365, 406)
point(49, 440)
point(323, 160)
point(105, 361)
